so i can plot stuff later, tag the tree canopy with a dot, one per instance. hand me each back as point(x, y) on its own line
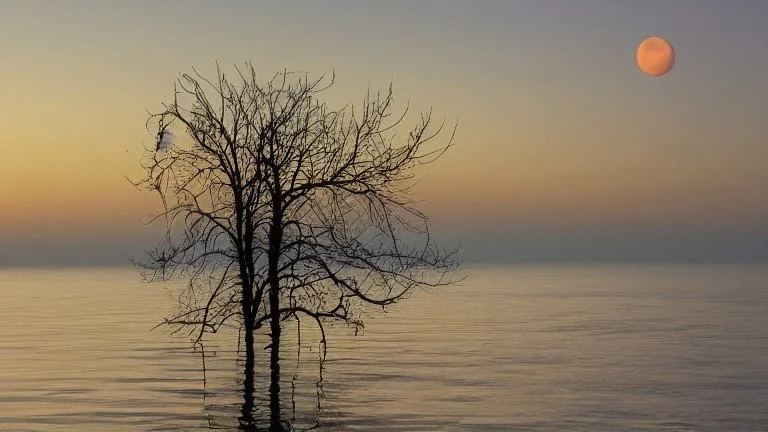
point(279, 207)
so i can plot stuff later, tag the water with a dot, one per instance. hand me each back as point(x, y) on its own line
point(519, 348)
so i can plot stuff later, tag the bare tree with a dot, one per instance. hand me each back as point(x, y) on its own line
point(280, 207)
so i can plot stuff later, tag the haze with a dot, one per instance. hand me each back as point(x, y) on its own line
point(565, 151)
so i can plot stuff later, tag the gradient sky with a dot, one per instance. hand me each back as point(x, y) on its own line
point(565, 151)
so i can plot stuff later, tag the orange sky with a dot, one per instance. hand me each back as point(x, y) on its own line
point(555, 126)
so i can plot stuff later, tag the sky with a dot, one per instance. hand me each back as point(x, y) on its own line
point(564, 151)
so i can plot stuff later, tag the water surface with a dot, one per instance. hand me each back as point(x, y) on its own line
point(528, 348)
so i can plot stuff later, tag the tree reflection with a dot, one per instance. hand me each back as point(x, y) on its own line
point(253, 414)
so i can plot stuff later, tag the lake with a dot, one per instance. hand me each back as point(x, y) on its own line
point(512, 348)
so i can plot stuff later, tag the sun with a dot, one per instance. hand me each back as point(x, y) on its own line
point(655, 56)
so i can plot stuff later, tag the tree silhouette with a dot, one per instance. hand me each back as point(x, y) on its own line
point(279, 207)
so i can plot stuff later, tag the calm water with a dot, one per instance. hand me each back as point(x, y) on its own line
point(538, 348)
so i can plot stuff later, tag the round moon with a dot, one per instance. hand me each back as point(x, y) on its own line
point(655, 56)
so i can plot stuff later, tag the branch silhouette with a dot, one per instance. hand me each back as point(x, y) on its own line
point(278, 206)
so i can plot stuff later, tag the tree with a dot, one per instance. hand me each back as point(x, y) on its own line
point(279, 207)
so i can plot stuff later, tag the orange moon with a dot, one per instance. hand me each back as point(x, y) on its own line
point(655, 56)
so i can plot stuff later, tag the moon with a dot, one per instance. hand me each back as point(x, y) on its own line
point(655, 56)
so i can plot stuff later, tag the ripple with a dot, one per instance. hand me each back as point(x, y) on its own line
point(516, 348)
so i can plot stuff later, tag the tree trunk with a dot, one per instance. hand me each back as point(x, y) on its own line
point(274, 366)
point(275, 244)
point(247, 421)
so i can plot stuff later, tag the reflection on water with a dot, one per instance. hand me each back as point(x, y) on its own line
point(537, 348)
